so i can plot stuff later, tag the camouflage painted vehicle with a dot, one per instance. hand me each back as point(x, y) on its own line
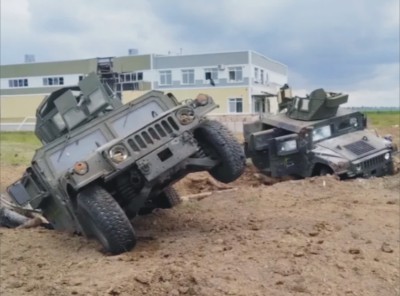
point(102, 162)
point(314, 136)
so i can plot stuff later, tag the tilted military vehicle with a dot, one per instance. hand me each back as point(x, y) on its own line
point(102, 162)
point(312, 136)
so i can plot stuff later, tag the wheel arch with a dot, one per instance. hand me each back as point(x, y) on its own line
point(319, 167)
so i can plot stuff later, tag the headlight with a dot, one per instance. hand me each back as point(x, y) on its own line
point(289, 145)
point(118, 153)
point(201, 100)
point(185, 115)
point(81, 168)
point(358, 168)
point(387, 156)
point(353, 121)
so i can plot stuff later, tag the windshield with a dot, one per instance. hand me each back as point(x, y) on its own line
point(78, 150)
point(321, 133)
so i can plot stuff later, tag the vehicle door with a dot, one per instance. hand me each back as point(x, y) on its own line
point(288, 155)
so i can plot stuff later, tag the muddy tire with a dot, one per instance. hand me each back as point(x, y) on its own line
point(218, 142)
point(102, 217)
point(168, 199)
point(325, 170)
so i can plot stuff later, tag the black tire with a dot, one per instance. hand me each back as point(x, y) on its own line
point(260, 160)
point(219, 142)
point(102, 217)
point(390, 168)
point(325, 170)
point(168, 199)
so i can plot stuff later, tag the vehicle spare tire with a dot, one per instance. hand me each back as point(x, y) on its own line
point(219, 143)
point(102, 217)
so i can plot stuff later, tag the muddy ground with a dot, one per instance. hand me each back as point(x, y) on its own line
point(318, 236)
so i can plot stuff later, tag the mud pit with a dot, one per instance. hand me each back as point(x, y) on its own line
point(318, 236)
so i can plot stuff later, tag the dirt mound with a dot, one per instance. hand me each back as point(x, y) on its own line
point(317, 236)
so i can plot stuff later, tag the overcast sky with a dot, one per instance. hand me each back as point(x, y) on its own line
point(341, 45)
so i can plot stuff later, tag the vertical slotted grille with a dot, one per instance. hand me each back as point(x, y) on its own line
point(373, 162)
point(153, 134)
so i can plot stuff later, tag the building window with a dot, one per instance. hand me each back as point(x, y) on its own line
point(128, 77)
point(165, 77)
point(18, 83)
point(188, 76)
point(235, 74)
point(236, 105)
point(211, 73)
point(259, 105)
point(261, 76)
point(53, 81)
point(256, 74)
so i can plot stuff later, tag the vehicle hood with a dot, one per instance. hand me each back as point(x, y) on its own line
point(352, 146)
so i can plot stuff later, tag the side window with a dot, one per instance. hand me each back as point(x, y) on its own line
point(322, 132)
point(351, 122)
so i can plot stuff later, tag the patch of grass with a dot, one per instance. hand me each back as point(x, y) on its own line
point(17, 148)
point(383, 118)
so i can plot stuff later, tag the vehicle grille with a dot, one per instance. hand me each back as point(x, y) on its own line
point(359, 147)
point(154, 133)
point(373, 162)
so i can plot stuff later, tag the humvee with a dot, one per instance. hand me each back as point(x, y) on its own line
point(103, 162)
point(313, 135)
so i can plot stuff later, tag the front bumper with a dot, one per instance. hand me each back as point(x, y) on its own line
point(372, 165)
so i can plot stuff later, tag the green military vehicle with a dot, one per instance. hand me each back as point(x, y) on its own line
point(102, 163)
point(312, 136)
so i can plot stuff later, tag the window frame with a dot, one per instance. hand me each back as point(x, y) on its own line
point(262, 80)
point(256, 74)
point(188, 74)
point(235, 71)
point(165, 74)
point(213, 73)
point(236, 101)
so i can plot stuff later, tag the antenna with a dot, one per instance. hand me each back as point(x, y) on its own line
point(29, 58)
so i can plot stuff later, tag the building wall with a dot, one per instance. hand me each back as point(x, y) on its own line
point(200, 81)
point(132, 63)
point(49, 68)
point(220, 96)
point(267, 63)
point(19, 107)
point(21, 102)
point(201, 60)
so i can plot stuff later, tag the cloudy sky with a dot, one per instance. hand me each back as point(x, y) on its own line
point(341, 45)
